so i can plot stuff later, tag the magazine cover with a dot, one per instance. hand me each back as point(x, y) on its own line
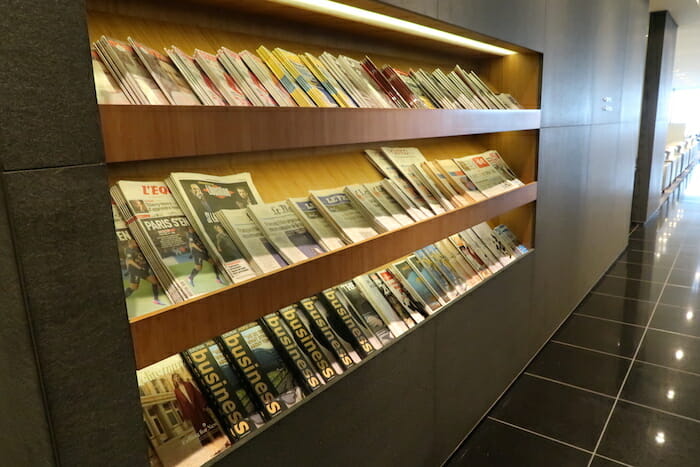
point(365, 311)
point(283, 340)
point(201, 196)
point(499, 250)
point(393, 301)
point(480, 249)
point(309, 340)
point(391, 206)
point(382, 83)
point(470, 256)
point(285, 231)
point(327, 80)
point(160, 228)
point(416, 89)
point(507, 237)
point(408, 94)
point(413, 280)
point(251, 86)
point(323, 232)
point(202, 85)
point(405, 161)
point(383, 308)
point(227, 392)
point(142, 289)
point(251, 241)
point(316, 314)
point(444, 265)
point(363, 81)
point(345, 323)
point(382, 220)
point(452, 254)
point(304, 78)
point(361, 98)
point(107, 88)
point(251, 352)
point(222, 80)
point(435, 285)
point(132, 71)
point(271, 83)
point(411, 304)
point(445, 279)
point(287, 80)
point(180, 425)
point(170, 81)
point(335, 206)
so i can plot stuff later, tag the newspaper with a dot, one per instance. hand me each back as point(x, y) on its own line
point(497, 162)
point(323, 231)
point(200, 196)
point(285, 231)
point(362, 199)
point(485, 177)
point(250, 240)
point(335, 206)
point(389, 203)
point(179, 259)
point(460, 181)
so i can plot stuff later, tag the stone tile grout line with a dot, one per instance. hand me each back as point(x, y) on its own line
point(634, 358)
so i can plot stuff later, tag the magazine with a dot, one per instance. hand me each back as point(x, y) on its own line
point(412, 304)
point(287, 80)
point(359, 78)
point(305, 78)
point(222, 80)
point(417, 284)
point(170, 81)
point(366, 312)
point(107, 88)
point(317, 315)
point(201, 84)
point(263, 74)
point(249, 84)
point(458, 263)
point(480, 249)
point(325, 77)
point(346, 324)
point(359, 95)
point(180, 424)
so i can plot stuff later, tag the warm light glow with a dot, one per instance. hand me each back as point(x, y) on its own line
point(660, 437)
point(689, 315)
point(671, 394)
point(680, 354)
point(340, 10)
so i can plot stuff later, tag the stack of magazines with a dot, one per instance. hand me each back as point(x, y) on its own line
point(131, 72)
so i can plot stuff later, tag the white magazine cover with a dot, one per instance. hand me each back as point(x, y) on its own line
point(202, 85)
point(222, 80)
point(487, 179)
point(385, 311)
point(405, 160)
point(139, 80)
point(445, 266)
point(418, 286)
point(480, 249)
point(171, 82)
point(507, 237)
point(452, 254)
point(361, 97)
point(323, 231)
point(412, 305)
point(163, 232)
point(363, 82)
point(496, 161)
point(504, 254)
point(285, 231)
point(336, 207)
point(251, 241)
point(249, 83)
point(389, 203)
point(470, 256)
point(382, 220)
point(436, 282)
point(107, 88)
point(389, 170)
point(328, 81)
point(200, 196)
point(446, 279)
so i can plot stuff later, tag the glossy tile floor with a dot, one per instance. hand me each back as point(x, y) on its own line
point(619, 383)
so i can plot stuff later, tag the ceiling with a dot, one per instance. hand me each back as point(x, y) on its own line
point(686, 65)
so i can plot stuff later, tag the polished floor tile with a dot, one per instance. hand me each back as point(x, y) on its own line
point(663, 388)
point(653, 245)
point(682, 320)
point(684, 277)
point(680, 296)
point(644, 437)
point(671, 350)
point(647, 257)
point(584, 368)
point(616, 308)
point(630, 288)
point(596, 334)
point(645, 272)
point(561, 412)
point(603, 462)
point(496, 444)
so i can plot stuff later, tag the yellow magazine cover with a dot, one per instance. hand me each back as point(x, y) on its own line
point(332, 86)
point(285, 78)
point(304, 78)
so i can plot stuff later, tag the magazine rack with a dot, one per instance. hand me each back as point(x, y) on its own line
point(288, 152)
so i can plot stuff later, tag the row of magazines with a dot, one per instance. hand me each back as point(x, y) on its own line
point(133, 73)
point(193, 234)
point(197, 403)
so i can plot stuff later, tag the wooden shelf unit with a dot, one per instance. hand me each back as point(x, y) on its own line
point(141, 132)
point(178, 327)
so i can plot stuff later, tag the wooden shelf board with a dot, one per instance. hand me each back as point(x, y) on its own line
point(138, 132)
point(178, 327)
